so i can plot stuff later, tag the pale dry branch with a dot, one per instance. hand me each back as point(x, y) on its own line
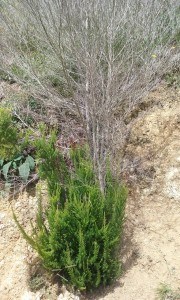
point(92, 58)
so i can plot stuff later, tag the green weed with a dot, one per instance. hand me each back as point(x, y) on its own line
point(165, 292)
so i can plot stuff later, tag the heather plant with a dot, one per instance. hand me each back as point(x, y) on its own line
point(78, 232)
point(51, 164)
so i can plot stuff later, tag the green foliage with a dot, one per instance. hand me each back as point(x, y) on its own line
point(12, 161)
point(17, 71)
point(59, 84)
point(34, 104)
point(26, 167)
point(28, 137)
point(79, 231)
point(164, 292)
point(173, 79)
point(177, 38)
point(8, 135)
point(5, 76)
point(18, 166)
point(52, 166)
point(29, 44)
point(36, 282)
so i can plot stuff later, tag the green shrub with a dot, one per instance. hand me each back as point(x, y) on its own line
point(13, 161)
point(79, 231)
point(8, 135)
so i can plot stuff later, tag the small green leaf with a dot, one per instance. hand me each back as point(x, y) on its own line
point(18, 158)
point(14, 165)
point(31, 162)
point(5, 169)
point(1, 162)
point(24, 171)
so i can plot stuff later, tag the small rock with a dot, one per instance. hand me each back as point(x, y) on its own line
point(67, 296)
point(2, 262)
point(31, 296)
point(2, 215)
point(2, 226)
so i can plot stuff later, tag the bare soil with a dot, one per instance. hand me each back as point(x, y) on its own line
point(151, 249)
point(151, 246)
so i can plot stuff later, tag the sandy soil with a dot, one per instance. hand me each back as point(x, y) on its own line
point(151, 247)
point(151, 251)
